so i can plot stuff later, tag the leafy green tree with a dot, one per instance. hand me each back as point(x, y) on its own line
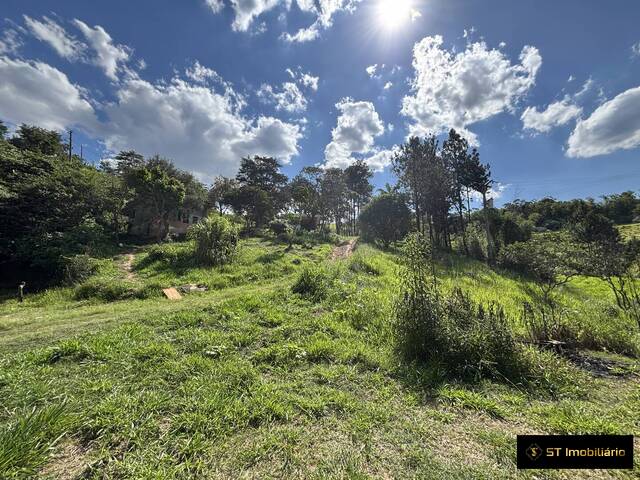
point(39, 140)
point(385, 219)
point(358, 182)
point(261, 194)
point(455, 151)
point(220, 193)
point(157, 190)
point(333, 196)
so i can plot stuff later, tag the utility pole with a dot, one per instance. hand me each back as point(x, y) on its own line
point(70, 143)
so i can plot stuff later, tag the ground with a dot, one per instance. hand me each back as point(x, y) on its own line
point(250, 380)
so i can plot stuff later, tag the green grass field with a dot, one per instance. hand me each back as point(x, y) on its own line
point(249, 380)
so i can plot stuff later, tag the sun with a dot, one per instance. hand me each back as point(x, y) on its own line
point(393, 14)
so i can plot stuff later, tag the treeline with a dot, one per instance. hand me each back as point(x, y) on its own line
point(54, 205)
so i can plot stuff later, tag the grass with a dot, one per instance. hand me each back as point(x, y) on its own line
point(253, 380)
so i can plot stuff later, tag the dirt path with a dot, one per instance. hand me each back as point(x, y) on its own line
point(127, 266)
point(345, 250)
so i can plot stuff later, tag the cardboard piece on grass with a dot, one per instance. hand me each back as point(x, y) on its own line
point(171, 294)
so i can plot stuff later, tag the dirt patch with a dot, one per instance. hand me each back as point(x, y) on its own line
point(69, 462)
point(344, 250)
point(127, 266)
point(602, 367)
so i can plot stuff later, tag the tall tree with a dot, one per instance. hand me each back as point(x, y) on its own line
point(220, 193)
point(479, 179)
point(260, 181)
point(358, 181)
point(455, 151)
point(333, 195)
point(39, 140)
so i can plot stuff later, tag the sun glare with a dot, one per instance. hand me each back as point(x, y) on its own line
point(393, 14)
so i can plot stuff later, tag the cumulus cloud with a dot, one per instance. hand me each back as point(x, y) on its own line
point(388, 85)
point(556, 114)
point(358, 126)
point(304, 78)
point(109, 57)
point(56, 36)
point(372, 69)
point(456, 90)
point(614, 125)
point(38, 94)
point(202, 130)
point(323, 11)
point(289, 98)
point(201, 74)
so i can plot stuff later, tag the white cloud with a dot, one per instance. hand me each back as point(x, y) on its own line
point(215, 5)
point(201, 130)
point(614, 125)
point(289, 98)
point(372, 69)
point(38, 94)
point(556, 114)
point(358, 126)
point(635, 50)
point(388, 85)
point(10, 41)
point(304, 79)
point(310, 81)
point(109, 57)
point(456, 90)
point(56, 36)
point(323, 11)
point(200, 74)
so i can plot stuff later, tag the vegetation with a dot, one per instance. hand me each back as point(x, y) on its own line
point(296, 357)
point(216, 240)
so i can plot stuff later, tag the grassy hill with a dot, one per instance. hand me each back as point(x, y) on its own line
point(250, 380)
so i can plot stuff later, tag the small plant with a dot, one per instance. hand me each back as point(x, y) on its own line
point(313, 283)
point(26, 443)
point(79, 268)
point(216, 240)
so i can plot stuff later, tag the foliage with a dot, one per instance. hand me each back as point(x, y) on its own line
point(551, 259)
point(452, 331)
point(313, 282)
point(79, 268)
point(26, 443)
point(216, 240)
point(385, 219)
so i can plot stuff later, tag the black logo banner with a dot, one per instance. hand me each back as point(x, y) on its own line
point(575, 451)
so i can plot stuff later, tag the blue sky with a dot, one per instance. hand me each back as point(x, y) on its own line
point(550, 91)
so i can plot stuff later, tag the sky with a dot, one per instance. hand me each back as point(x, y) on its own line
point(549, 92)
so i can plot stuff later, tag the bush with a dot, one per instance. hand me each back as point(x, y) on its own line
point(464, 338)
point(280, 228)
point(79, 268)
point(216, 240)
point(313, 283)
point(385, 219)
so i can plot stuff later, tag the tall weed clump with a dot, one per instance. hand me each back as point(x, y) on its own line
point(452, 332)
point(216, 240)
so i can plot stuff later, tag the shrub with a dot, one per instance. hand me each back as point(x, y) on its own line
point(106, 290)
point(464, 338)
point(216, 240)
point(280, 227)
point(361, 263)
point(385, 219)
point(79, 268)
point(313, 283)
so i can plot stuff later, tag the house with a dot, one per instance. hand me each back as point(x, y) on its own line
point(142, 224)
